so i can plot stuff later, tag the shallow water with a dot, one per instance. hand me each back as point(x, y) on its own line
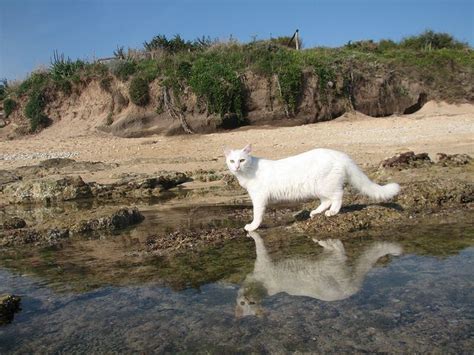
point(412, 291)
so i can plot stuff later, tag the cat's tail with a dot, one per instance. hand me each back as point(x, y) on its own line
point(362, 183)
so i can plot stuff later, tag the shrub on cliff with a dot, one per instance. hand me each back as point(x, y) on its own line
point(139, 91)
point(9, 105)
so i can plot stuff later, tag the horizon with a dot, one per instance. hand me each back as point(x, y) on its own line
point(97, 29)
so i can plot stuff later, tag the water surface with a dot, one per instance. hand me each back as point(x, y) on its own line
point(412, 291)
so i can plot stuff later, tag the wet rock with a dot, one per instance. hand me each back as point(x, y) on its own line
point(407, 160)
point(118, 220)
point(45, 190)
point(54, 235)
point(20, 237)
point(453, 159)
point(9, 305)
point(14, 223)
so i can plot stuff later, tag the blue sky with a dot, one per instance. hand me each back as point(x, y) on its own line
point(30, 30)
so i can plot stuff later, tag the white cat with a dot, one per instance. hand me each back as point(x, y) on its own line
point(318, 173)
point(329, 277)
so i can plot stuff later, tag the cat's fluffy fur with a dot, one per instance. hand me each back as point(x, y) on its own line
point(318, 173)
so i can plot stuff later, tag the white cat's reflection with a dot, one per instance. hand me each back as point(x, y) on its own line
point(328, 278)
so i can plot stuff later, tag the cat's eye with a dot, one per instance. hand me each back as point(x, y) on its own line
point(232, 161)
point(242, 303)
point(242, 160)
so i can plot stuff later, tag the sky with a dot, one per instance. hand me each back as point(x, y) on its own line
point(31, 30)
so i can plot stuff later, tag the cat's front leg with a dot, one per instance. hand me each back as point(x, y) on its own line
point(258, 211)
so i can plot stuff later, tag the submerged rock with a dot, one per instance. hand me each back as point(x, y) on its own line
point(14, 223)
point(118, 220)
point(406, 160)
point(9, 305)
point(33, 236)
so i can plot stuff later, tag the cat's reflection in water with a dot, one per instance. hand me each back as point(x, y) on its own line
point(328, 278)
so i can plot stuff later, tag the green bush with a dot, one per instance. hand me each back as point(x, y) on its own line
point(106, 83)
point(429, 40)
point(62, 68)
point(219, 85)
point(9, 105)
point(34, 110)
point(148, 69)
point(125, 69)
point(34, 82)
point(139, 91)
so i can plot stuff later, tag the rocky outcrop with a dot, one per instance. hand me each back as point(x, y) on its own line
point(38, 235)
point(47, 189)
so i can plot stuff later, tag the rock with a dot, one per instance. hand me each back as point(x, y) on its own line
point(453, 159)
point(33, 237)
point(45, 190)
point(139, 187)
point(54, 235)
point(7, 177)
point(406, 160)
point(56, 163)
point(14, 223)
point(118, 220)
point(301, 215)
point(3, 123)
point(9, 305)
point(20, 237)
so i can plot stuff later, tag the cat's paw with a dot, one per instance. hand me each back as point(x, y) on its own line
point(250, 227)
point(330, 213)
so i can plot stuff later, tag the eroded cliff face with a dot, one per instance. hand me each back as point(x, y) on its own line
point(372, 89)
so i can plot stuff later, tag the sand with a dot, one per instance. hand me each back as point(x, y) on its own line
point(437, 127)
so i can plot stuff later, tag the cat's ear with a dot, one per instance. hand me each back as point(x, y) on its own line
point(247, 149)
point(227, 151)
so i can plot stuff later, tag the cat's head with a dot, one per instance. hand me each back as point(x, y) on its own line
point(238, 160)
point(249, 298)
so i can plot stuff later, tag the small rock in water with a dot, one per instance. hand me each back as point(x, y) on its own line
point(9, 305)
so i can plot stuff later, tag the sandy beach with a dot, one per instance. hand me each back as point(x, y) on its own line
point(437, 127)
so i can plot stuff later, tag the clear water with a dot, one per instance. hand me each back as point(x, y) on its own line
point(96, 296)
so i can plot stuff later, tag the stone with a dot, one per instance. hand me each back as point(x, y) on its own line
point(407, 159)
point(9, 305)
point(453, 159)
point(14, 223)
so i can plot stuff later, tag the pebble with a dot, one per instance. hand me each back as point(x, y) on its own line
point(38, 155)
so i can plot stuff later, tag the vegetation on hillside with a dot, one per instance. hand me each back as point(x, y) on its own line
point(214, 71)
